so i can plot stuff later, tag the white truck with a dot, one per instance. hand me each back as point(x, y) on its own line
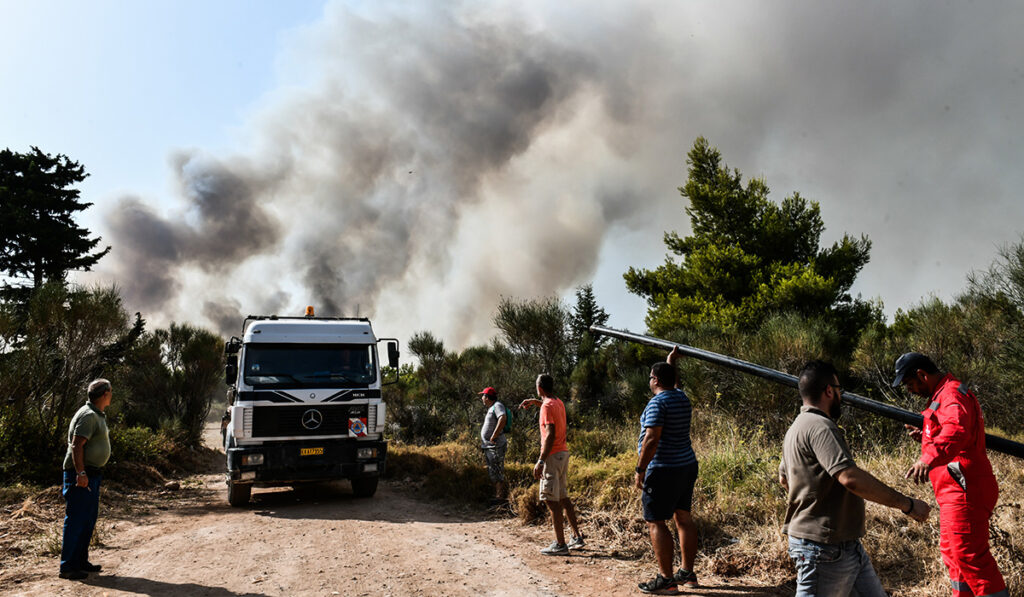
point(304, 404)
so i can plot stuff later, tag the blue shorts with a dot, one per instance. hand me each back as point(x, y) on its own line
point(667, 489)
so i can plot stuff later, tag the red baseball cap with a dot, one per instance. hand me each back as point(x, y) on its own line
point(489, 391)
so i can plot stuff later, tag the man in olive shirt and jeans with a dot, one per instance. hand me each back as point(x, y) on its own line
point(825, 516)
point(88, 451)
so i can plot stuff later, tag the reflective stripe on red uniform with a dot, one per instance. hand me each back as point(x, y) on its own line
point(953, 445)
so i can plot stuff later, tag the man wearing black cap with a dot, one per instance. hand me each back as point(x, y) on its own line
point(493, 440)
point(953, 458)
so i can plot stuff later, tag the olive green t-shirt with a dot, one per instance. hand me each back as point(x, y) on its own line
point(820, 507)
point(90, 423)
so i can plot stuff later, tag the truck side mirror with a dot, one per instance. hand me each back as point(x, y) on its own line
point(393, 354)
point(231, 370)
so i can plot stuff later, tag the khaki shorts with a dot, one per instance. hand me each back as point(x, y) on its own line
point(554, 482)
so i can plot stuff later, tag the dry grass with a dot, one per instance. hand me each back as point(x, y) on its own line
point(738, 505)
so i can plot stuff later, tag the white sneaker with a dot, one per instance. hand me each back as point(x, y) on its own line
point(555, 549)
point(577, 542)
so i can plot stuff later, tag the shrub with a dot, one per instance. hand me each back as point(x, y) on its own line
point(140, 445)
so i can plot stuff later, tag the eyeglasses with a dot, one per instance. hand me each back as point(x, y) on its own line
point(838, 387)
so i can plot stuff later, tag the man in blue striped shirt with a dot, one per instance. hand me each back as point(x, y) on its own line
point(666, 471)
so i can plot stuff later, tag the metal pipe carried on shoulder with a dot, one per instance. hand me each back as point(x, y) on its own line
point(993, 442)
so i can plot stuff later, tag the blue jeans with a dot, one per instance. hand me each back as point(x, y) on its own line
point(81, 508)
point(833, 570)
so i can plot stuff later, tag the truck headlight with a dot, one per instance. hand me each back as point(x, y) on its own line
point(252, 459)
point(366, 453)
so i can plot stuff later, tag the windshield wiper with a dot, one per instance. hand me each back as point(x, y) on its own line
point(262, 374)
point(330, 376)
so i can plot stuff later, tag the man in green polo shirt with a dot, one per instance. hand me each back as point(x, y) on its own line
point(88, 451)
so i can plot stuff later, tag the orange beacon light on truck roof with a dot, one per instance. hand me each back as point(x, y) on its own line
point(309, 311)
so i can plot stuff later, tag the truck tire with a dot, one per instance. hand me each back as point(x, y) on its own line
point(364, 486)
point(238, 495)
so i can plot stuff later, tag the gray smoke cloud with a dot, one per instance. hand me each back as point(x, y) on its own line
point(221, 225)
point(440, 156)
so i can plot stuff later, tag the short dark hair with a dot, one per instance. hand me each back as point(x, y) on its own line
point(97, 388)
point(665, 373)
point(815, 378)
point(546, 382)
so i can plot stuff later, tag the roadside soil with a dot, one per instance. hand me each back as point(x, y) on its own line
point(318, 540)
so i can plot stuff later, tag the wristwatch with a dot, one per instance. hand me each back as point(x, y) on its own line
point(82, 474)
point(640, 471)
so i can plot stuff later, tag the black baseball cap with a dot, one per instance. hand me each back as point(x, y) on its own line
point(909, 363)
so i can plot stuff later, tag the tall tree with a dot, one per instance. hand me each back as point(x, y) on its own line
point(585, 313)
point(536, 331)
point(590, 383)
point(173, 374)
point(748, 257)
point(38, 202)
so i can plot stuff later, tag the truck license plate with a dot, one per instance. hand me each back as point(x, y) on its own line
point(311, 451)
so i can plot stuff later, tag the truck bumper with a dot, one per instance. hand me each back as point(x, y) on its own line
point(312, 460)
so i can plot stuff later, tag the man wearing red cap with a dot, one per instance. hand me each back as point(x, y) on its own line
point(953, 457)
point(493, 440)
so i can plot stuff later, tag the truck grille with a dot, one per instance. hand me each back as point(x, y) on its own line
point(277, 421)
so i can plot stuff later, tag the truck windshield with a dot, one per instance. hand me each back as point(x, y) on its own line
point(310, 365)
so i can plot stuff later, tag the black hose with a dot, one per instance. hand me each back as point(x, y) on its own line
point(993, 442)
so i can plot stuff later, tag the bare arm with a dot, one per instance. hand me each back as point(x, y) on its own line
point(78, 458)
point(530, 402)
point(652, 437)
point(673, 356)
point(865, 485)
point(499, 428)
point(546, 444)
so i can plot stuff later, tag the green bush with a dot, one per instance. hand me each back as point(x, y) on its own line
point(139, 445)
point(28, 451)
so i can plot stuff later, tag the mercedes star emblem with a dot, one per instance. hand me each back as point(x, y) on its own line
point(311, 419)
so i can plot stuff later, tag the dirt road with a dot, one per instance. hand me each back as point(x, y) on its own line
point(323, 541)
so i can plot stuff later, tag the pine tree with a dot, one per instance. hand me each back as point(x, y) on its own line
point(38, 202)
point(584, 314)
point(748, 258)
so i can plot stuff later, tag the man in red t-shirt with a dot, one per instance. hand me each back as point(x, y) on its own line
point(552, 467)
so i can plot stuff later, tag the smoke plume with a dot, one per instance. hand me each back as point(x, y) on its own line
point(440, 157)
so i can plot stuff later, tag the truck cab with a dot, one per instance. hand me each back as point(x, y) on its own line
point(304, 404)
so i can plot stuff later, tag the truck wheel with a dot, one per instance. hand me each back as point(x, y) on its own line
point(238, 495)
point(364, 486)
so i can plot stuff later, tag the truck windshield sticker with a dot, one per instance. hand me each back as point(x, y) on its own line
point(357, 427)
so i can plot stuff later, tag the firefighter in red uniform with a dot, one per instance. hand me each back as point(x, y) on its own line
point(953, 457)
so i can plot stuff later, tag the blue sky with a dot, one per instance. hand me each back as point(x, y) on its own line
point(119, 85)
